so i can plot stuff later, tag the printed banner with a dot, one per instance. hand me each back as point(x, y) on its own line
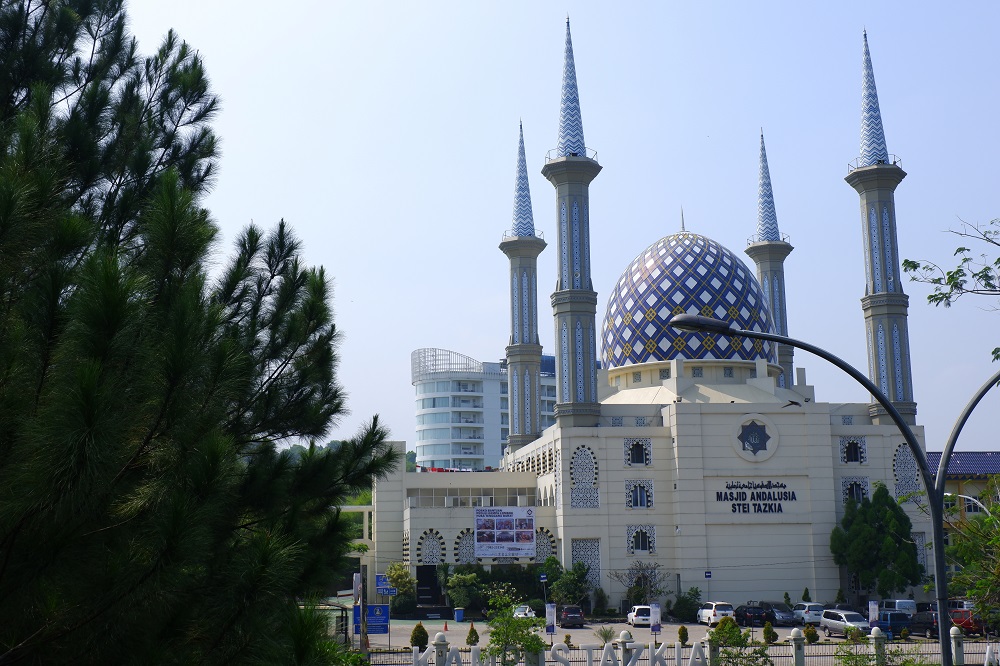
point(505, 531)
point(654, 618)
point(550, 618)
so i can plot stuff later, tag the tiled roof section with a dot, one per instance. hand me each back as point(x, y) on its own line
point(873, 150)
point(767, 218)
point(967, 464)
point(570, 120)
point(524, 223)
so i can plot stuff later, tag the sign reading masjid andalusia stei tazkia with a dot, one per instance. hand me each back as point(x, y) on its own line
point(756, 496)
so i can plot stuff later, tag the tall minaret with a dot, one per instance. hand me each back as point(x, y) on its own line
point(885, 305)
point(768, 250)
point(574, 302)
point(524, 351)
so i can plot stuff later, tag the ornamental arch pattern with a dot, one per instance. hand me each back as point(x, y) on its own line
point(430, 548)
point(465, 547)
point(583, 479)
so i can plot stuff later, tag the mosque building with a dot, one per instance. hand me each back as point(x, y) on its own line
point(706, 454)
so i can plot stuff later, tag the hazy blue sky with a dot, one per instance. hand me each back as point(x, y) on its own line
point(386, 134)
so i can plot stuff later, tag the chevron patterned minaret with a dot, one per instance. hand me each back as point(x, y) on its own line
point(574, 302)
point(524, 351)
point(875, 178)
point(768, 250)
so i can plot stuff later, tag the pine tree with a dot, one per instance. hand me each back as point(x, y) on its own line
point(148, 513)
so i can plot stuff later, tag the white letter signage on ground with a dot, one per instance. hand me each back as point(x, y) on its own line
point(505, 531)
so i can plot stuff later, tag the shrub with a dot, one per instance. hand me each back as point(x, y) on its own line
point(770, 635)
point(538, 606)
point(419, 637)
point(567, 640)
point(805, 595)
point(686, 607)
point(726, 632)
point(904, 634)
point(600, 602)
point(605, 634)
point(472, 638)
point(682, 634)
point(812, 636)
point(788, 600)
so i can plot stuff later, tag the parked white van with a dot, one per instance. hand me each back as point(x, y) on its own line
point(908, 606)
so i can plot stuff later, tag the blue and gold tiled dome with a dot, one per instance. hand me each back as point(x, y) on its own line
point(684, 273)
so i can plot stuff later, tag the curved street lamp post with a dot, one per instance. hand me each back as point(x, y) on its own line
point(933, 486)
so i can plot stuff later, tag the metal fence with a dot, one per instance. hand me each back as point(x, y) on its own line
point(819, 654)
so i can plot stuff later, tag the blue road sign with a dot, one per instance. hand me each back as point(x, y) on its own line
point(542, 577)
point(378, 619)
point(381, 580)
point(708, 574)
point(387, 591)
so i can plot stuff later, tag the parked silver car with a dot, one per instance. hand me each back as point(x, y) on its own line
point(808, 612)
point(840, 622)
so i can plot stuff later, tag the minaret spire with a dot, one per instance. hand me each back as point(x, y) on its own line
point(767, 218)
point(570, 119)
point(873, 150)
point(682, 219)
point(574, 302)
point(768, 251)
point(524, 223)
point(524, 351)
point(884, 304)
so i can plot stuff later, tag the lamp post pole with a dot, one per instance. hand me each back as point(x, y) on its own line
point(934, 487)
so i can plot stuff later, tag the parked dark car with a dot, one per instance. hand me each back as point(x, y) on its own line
point(750, 615)
point(778, 613)
point(925, 623)
point(570, 616)
point(894, 622)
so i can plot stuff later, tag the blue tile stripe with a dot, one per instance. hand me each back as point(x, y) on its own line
point(767, 218)
point(873, 150)
point(570, 120)
point(524, 223)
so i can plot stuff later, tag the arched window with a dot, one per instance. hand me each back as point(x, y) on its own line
point(856, 492)
point(637, 454)
point(640, 542)
point(640, 497)
point(853, 452)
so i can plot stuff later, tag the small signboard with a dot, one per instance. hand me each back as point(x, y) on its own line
point(708, 574)
point(378, 619)
point(654, 618)
point(543, 578)
point(381, 580)
point(387, 591)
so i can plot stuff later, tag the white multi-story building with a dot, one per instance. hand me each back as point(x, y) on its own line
point(462, 408)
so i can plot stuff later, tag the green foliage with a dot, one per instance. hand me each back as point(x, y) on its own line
point(572, 586)
point(682, 634)
point(150, 510)
point(805, 595)
point(788, 600)
point(567, 639)
point(685, 608)
point(874, 541)
point(975, 545)
point(472, 638)
point(419, 637)
point(737, 647)
point(405, 601)
point(411, 461)
point(510, 637)
point(854, 651)
point(770, 635)
point(644, 581)
point(605, 634)
point(840, 599)
point(600, 601)
point(810, 633)
point(904, 634)
point(462, 589)
point(537, 605)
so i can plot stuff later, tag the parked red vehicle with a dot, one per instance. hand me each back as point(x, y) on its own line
point(966, 621)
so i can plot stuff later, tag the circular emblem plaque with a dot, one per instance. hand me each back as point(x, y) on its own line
point(755, 438)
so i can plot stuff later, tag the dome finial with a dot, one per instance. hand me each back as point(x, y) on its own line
point(524, 224)
point(767, 218)
point(873, 148)
point(570, 119)
point(682, 219)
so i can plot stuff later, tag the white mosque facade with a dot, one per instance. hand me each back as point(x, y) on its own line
point(705, 454)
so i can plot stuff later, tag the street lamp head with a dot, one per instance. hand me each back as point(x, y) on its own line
point(699, 324)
